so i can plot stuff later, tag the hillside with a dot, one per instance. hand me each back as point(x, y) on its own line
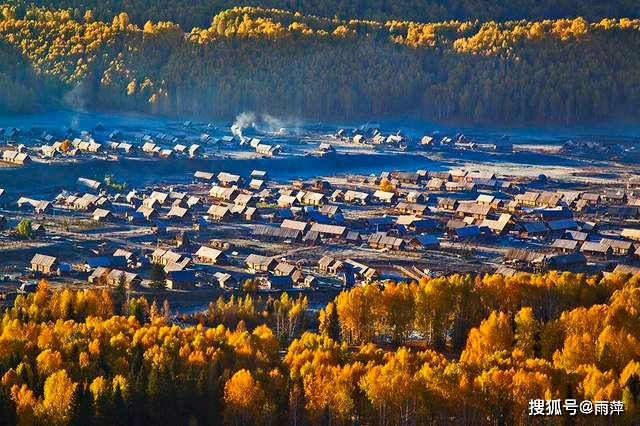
point(278, 62)
point(199, 13)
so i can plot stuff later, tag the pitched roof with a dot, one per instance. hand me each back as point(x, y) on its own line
point(208, 252)
point(294, 224)
point(43, 260)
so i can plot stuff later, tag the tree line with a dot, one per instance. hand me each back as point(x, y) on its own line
point(93, 357)
point(199, 13)
point(284, 63)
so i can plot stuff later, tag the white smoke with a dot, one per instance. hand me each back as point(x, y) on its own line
point(273, 124)
point(76, 100)
point(243, 121)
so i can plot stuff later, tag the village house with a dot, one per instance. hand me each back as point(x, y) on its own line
point(256, 184)
point(447, 203)
point(124, 258)
point(365, 272)
point(283, 269)
point(565, 261)
point(331, 211)
point(209, 255)
point(250, 213)
point(147, 213)
point(203, 176)
point(407, 177)
point(356, 197)
point(533, 229)
point(472, 209)
point(385, 197)
point(479, 175)
point(244, 200)
point(16, 157)
point(565, 246)
point(416, 197)
point(591, 198)
point(272, 233)
point(330, 265)
point(184, 279)
point(295, 224)
point(43, 264)
point(268, 150)
point(623, 212)
point(457, 175)
point(38, 206)
point(382, 240)
point(619, 247)
point(436, 184)
point(576, 235)
point(90, 184)
point(257, 263)
point(524, 257)
point(219, 213)
point(570, 197)
point(614, 197)
point(227, 179)
point(167, 257)
point(596, 248)
point(424, 242)
point(498, 226)
point(102, 215)
point(485, 199)
point(179, 213)
point(329, 231)
point(529, 198)
point(314, 198)
point(427, 141)
point(127, 148)
point(412, 208)
point(259, 174)
point(150, 148)
point(632, 234)
point(194, 151)
point(225, 280)
point(114, 277)
point(222, 193)
point(287, 201)
point(548, 199)
point(161, 197)
point(561, 225)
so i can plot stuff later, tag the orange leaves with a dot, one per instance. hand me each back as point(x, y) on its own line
point(493, 335)
point(245, 398)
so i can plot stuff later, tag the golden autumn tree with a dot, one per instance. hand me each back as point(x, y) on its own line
point(493, 335)
point(245, 399)
point(56, 406)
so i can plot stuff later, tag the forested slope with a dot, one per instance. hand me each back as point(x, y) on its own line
point(198, 13)
point(476, 350)
point(552, 71)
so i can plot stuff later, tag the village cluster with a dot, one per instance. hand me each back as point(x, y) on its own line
point(227, 231)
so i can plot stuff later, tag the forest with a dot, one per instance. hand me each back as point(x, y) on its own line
point(199, 13)
point(550, 71)
point(461, 349)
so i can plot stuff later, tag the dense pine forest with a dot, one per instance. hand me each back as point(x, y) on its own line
point(558, 71)
point(461, 349)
